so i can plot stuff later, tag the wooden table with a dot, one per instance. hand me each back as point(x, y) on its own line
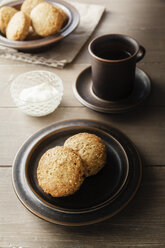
point(142, 222)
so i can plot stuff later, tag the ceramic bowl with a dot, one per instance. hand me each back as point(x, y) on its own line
point(44, 43)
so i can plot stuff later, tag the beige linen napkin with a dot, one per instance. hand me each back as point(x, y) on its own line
point(65, 51)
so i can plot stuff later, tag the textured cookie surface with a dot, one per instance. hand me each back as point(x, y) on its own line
point(28, 5)
point(62, 13)
point(6, 13)
point(60, 171)
point(18, 27)
point(46, 19)
point(91, 149)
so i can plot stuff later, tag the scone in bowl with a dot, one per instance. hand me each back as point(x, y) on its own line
point(40, 44)
point(29, 80)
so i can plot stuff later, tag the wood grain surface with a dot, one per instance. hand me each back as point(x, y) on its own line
point(142, 222)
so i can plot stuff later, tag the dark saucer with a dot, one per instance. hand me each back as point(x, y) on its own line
point(83, 91)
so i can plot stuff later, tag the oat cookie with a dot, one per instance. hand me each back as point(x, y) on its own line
point(28, 5)
point(46, 19)
point(91, 149)
point(18, 27)
point(6, 13)
point(60, 171)
point(64, 16)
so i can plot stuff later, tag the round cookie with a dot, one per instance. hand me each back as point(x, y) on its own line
point(46, 19)
point(6, 13)
point(18, 27)
point(28, 5)
point(91, 149)
point(60, 171)
point(62, 13)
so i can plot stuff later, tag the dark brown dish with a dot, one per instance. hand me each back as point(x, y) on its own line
point(100, 196)
point(84, 93)
point(42, 43)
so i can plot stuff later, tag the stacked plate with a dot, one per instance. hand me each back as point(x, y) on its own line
point(100, 197)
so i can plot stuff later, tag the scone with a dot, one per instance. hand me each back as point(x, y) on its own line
point(6, 13)
point(28, 5)
point(62, 13)
point(60, 171)
point(46, 19)
point(18, 27)
point(91, 149)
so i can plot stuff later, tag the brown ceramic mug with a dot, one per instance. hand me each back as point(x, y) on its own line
point(113, 60)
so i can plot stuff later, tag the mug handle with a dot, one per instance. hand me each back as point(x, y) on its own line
point(140, 53)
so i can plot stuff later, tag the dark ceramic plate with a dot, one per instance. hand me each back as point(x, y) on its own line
point(39, 44)
point(100, 196)
point(83, 91)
